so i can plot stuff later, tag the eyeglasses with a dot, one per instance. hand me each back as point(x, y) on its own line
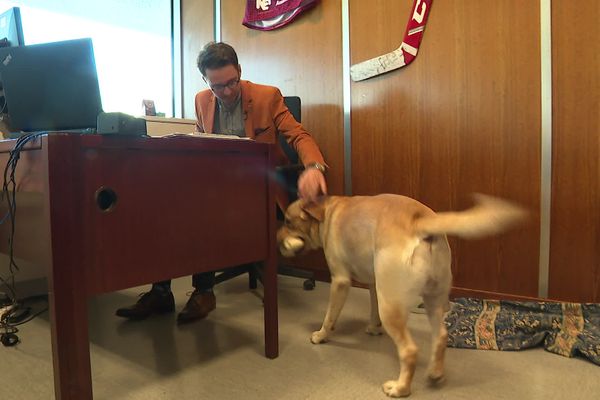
point(232, 84)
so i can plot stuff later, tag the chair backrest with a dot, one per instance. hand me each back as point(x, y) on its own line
point(288, 177)
point(294, 104)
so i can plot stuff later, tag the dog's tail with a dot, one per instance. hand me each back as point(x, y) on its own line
point(489, 216)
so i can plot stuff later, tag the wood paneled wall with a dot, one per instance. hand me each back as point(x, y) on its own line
point(575, 217)
point(463, 117)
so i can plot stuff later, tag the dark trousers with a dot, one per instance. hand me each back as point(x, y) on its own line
point(203, 282)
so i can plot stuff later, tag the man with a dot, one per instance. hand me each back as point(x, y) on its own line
point(235, 107)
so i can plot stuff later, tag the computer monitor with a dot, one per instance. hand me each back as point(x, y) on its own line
point(11, 35)
point(11, 29)
point(51, 86)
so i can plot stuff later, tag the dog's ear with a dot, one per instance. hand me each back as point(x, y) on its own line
point(315, 209)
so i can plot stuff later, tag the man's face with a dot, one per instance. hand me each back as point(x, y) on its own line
point(224, 82)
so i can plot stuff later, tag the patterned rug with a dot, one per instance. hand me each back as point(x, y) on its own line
point(568, 329)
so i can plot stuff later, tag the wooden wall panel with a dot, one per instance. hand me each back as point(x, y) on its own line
point(197, 28)
point(575, 220)
point(463, 117)
point(303, 59)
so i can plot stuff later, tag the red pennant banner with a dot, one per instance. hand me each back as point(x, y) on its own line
point(266, 15)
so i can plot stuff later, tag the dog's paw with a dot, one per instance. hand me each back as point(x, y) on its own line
point(374, 330)
point(318, 337)
point(394, 389)
point(435, 376)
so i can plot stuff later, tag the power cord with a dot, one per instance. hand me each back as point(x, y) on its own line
point(8, 322)
point(15, 316)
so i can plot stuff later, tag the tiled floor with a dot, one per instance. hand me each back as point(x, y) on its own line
point(222, 356)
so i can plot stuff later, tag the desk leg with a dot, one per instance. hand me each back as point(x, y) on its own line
point(70, 342)
point(67, 284)
point(270, 269)
point(270, 301)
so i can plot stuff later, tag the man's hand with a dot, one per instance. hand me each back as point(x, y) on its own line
point(311, 184)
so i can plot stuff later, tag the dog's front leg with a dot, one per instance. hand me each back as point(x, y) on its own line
point(337, 297)
point(374, 327)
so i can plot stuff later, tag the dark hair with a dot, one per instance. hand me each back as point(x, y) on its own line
point(216, 55)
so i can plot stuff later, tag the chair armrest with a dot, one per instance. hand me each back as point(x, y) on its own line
point(289, 168)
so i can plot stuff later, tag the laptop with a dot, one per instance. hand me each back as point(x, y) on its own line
point(51, 86)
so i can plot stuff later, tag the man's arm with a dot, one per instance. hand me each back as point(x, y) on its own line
point(198, 109)
point(311, 182)
point(295, 134)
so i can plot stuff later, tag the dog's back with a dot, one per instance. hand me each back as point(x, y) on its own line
point(390, 217)
point(357, 228)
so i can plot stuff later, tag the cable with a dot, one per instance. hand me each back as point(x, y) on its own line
point(8, 336)
point(3, 106)
point(32, 316)
point(10, 183)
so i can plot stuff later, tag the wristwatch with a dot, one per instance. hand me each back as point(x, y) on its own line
point(318, 166)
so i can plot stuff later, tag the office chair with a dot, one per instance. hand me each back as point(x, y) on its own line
point(287, 176)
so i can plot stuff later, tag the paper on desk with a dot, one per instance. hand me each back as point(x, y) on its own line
point(205, 135)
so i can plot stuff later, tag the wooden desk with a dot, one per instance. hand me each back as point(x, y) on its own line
point(183, 205)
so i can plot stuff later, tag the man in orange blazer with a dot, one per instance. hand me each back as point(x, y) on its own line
point(235, 107)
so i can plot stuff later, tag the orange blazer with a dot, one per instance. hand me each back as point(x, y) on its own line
point(265, 116)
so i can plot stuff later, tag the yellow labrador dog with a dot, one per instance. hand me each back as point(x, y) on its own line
point(398, 247)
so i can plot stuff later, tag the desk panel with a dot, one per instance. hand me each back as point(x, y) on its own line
point(177, 212)
point(183, 205)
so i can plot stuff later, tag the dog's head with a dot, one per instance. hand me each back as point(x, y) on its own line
point(300, 231)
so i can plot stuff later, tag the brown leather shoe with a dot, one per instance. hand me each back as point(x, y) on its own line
point(197, 307)
point(152, 302)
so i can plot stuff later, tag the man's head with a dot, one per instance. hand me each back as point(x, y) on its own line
point(218, 64)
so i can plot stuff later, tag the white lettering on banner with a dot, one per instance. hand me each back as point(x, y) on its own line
point(263, 4)
point(418, 16)
point(280, 2)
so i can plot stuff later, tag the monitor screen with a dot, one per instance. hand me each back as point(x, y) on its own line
point(11, 34)
point(51, 86)
point(11, 30)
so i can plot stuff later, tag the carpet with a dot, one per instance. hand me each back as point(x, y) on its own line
point(568, 329)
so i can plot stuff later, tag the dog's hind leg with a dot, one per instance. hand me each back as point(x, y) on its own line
point(398, 287)
point(374, 327)
point(436, 307)
point(337, 297)
point(394, 318)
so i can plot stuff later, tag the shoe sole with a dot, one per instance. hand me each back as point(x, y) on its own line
point(185, 320)
point(142, 317)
